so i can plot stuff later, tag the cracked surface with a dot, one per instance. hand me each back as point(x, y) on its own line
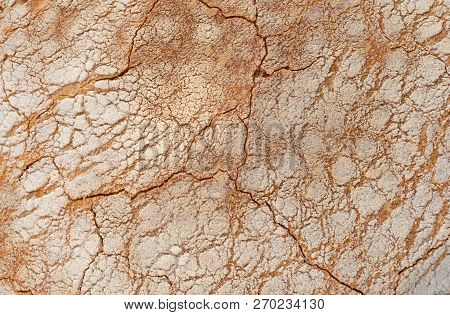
point(224, 147)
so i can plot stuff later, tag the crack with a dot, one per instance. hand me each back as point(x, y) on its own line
point(204, 2)
point(29, 164)
point(106, 194)
point(304, 256)
point(12, 284)
point(153, 187)
point(24, 292)
point(258, 71)
point(133, 39)
point(180, 172)
point(166, 279)
point(423, 257)
point(102, 242)
point(297, 241)
point(83, 274)
point(288, 68)
point(100, 251)
point(420, 259)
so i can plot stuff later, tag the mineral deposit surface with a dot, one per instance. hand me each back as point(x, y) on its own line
point(224, 147)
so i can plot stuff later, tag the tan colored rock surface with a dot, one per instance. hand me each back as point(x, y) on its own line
point(224, 147)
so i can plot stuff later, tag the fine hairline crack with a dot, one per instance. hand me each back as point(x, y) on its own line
point(297, 241)
point(303, 254)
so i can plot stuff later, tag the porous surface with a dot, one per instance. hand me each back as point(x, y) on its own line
point(224, 147)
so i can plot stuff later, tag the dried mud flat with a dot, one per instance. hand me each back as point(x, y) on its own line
point(224, 147)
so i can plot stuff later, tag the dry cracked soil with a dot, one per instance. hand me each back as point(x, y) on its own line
point(224, 147)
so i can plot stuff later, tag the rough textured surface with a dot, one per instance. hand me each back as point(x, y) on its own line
point(217, 147)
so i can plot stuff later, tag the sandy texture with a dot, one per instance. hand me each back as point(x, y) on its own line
point(224, 147)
